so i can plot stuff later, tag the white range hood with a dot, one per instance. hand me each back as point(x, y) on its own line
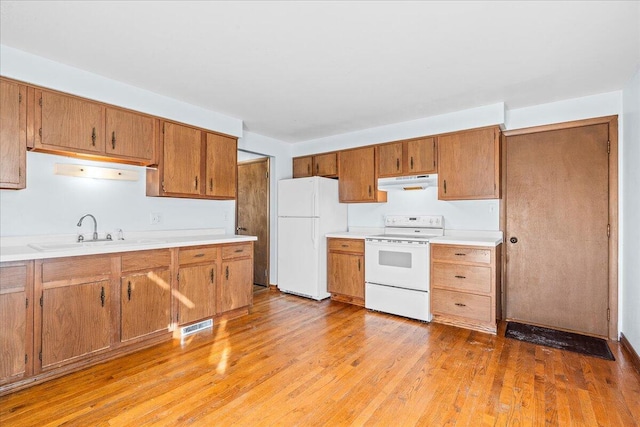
point(411, 182)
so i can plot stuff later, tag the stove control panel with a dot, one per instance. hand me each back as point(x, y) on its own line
point(415, 221)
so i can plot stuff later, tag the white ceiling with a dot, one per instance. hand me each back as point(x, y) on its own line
point(297, 71)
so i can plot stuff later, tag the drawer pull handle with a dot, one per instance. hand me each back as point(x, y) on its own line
point(102, 296)
point(345, 246)
point(198, 255)
point(459, 304)
point(129, 290)
point(226, 273)
point(460, 277)
point(239, 251)
point(460, 254)
point(211, 276)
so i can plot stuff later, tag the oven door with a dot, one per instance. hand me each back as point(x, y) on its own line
point(403, 264)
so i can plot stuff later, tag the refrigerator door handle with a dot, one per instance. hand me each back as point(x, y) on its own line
point(313, 234)
point(313, 204)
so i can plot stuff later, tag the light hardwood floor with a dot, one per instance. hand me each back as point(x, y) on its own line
point(294, 361)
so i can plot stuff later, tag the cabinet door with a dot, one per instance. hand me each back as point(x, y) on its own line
point(16, 332)
point(196, 300)
point(357, 175)
point(13, 135)
point(236, 285)
point(346, 274)
point(468, 165)
point(390, 160)
point(326, 164)
point(221, 166)
point(302, 167)
point(145, 304)
point(71, 123)
point(130, 135)
point(75, 321)
point(181, 161)
point(421, 156)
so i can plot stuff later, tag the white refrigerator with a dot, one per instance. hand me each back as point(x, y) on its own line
point(308, 209)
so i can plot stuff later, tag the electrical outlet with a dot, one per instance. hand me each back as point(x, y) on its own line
point(155, 218)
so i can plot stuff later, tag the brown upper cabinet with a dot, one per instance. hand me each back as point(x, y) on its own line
point(318, 165)
point(194, 164)
point(469, 164)
point(410, 157)
point(358, 181)
point(68, 125)
point(13, 135)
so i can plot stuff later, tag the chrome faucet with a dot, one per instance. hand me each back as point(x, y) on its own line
point(95, 225)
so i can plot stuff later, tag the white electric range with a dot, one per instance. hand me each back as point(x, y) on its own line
point(397, 265)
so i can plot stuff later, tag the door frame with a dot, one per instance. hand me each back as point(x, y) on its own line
point(612, 122)
point(266, 159)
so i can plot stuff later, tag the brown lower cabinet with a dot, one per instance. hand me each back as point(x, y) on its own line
point(61, 314)
point(465, 286)
point(345, 270)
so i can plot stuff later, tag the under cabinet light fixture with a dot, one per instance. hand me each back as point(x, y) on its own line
point(96, 172)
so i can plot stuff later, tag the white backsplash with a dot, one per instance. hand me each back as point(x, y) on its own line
point(458, 215)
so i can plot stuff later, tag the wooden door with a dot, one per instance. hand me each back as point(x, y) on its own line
point(252, 213)
point(75, 321)
point(221, 166)
point(196, 285)
point(357, 171)
point(236, 288)
point(557, 217)
point(346, 274)
point(72, 123)
point(390, 159)
point(130, 135)
point(421, 156)
point(145, 304)
point(181, 161)
point(468, 165)
point(326, 164)
point(13, 135)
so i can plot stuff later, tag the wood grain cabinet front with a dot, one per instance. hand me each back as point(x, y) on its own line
point(74, 320)
point(73, 126)
point(358, 182)
point(145, 294)
point(465, 286)
point(410, 157)
point(13, 135)
point(236, 281)
point(469, 164)
point(16, 321)
point(325, 164)
point(345, 270)
point(195, 164)
point(197, 277)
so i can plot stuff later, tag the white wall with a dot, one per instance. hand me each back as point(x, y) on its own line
point(460, 215)
point(630, 251)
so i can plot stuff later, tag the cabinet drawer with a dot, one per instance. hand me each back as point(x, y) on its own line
point(462, 277)
point(240, 250)
point(461, 254)
point(13, 278)
point(76, 268)
point(197, 255)
point(346, 245)
point(133, 261)
point(470, 306)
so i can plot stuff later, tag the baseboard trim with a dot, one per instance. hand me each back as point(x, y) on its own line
point(633, 355)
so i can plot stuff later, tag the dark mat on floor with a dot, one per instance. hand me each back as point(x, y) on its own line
point(577, 343)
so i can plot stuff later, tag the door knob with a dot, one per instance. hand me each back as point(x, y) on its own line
point(513, 240)
point(241, 229)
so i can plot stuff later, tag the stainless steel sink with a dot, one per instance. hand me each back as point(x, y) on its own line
point(65, 246)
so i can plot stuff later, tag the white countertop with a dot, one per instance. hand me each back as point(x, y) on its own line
point(451, 237)
point(19, 248)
